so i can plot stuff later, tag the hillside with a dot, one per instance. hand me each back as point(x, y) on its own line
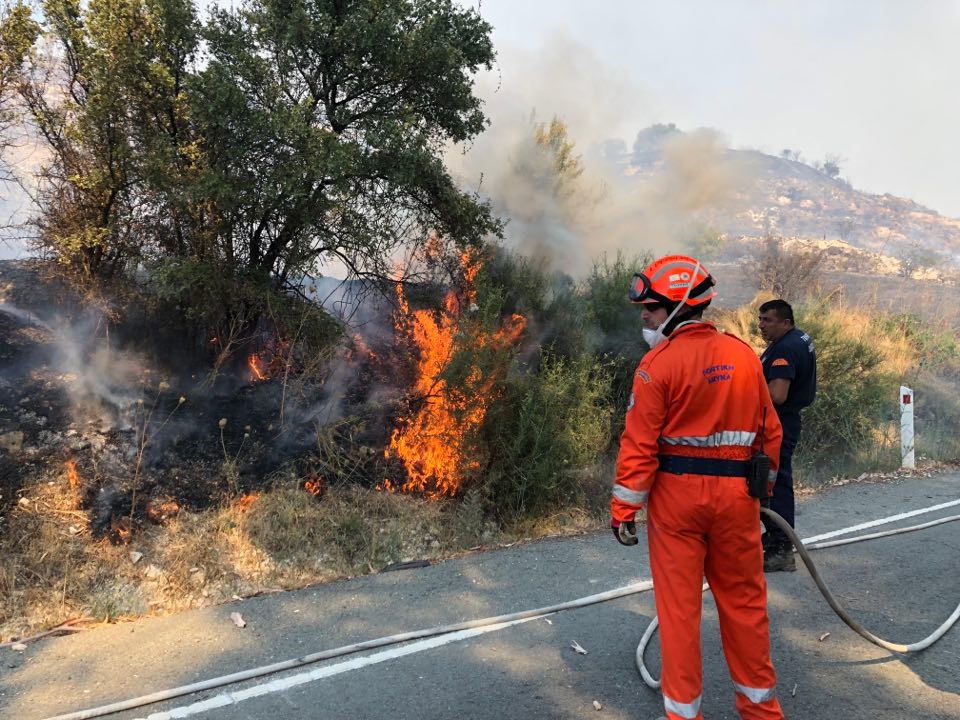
point(794, 199)
point(790, 198)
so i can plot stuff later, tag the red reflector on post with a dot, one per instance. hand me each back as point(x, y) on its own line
point(906, 399)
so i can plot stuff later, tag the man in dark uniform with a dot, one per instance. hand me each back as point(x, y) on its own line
point(790, 369)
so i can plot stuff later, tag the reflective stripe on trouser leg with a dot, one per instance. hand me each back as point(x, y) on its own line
point(675, 536)
point(734, 569)
point(687, 711)
point(756, 695)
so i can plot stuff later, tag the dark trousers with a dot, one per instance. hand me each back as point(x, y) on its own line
point(782, 500)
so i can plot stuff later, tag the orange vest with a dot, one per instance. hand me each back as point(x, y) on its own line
point(700, 394)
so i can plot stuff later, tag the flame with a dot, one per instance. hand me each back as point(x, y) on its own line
point(386, 486)
point(432, 442)
point(73, 477)
point(121, 530)
point(314, 485)
point(256, 369)
point(271, 361)
point(246, 501)
point(160, 510)
point(361, 349)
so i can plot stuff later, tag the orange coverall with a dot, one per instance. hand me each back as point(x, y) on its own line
point(702, 394)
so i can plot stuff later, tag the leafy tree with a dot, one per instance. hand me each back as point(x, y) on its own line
point(788, 274)
point(322, 126)
point(562, 167)
point(704, 241)
point(314, 131)
point(830, 166)
point(915, 258)
point(105, 96)
point(11, 48)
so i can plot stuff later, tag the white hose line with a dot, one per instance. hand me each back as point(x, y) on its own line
point(926, 642)
point(882, 521)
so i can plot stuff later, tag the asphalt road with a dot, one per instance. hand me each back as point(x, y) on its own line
point(901, 587)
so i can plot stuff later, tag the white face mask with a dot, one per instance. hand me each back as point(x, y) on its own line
point(655, 337)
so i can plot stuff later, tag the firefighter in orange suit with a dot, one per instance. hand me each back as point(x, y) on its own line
point(696, 416)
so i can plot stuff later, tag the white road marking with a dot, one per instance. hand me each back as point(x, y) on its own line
point(881, 521)
point(281, 684)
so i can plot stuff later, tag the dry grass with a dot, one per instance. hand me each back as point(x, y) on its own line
point(857, 323)
point(52, 569)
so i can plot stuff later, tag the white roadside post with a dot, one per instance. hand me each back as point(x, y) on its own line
point(906, 427)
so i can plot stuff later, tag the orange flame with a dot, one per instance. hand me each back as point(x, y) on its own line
point(433, 442)
point(360, 348)
point(257, 372)
point(314, 485)
point(271, 361)
point(73, 477)
point(161, 509)
point(246, 501)
point(121, 530)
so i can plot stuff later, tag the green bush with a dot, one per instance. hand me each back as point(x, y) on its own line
point(558, 399)
point(546, 428)
point(855, 396)
point(615, 327)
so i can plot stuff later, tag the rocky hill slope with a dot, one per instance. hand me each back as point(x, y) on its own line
point(786, 197)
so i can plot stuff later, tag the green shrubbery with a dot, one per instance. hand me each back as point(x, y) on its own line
point(545, 430)
point(856, 395)
point(232, 308)
point(863, 356)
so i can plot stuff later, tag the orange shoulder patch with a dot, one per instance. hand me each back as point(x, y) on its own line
point(780, 362)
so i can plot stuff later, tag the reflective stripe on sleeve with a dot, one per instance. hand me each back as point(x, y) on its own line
point(685, 710)
point(756, 695)
point(631, 497)
point(742, 438)
point(772, 475)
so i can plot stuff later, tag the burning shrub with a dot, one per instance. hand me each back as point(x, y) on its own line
point(460, 354)
point(228, 312)
point(521, 417)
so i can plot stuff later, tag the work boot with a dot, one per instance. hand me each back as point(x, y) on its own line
point(778, 558)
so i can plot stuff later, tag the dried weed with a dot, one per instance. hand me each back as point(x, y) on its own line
point(52, 569)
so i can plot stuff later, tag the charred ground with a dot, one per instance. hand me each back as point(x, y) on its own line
point(133, 405)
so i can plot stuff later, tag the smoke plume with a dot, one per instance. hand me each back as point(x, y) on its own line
point(610, 202)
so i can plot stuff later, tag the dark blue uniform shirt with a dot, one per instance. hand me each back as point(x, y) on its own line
point(793, 358)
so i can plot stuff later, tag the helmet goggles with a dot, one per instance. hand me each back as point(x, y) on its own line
point(641, 291)
point(671, 280)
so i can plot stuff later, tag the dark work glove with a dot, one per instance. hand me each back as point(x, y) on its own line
point(624, 532)
point(765, 502)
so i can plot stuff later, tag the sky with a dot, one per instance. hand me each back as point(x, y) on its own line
point(870, 82)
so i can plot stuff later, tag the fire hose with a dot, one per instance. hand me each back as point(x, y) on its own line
point(625, 591)
point(840, 611)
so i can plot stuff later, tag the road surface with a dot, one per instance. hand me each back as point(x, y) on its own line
point(901, 588)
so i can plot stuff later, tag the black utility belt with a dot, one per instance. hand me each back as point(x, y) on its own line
point(685, 465)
